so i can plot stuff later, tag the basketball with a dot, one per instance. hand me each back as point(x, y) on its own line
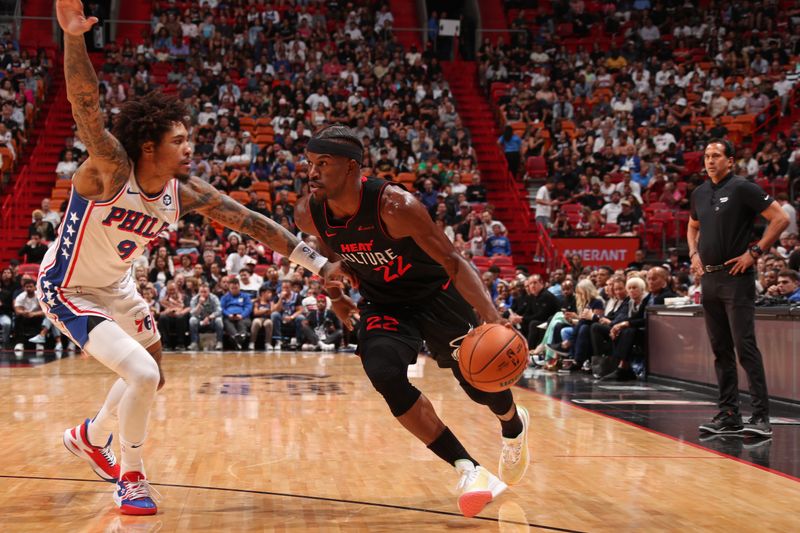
point(492, 357)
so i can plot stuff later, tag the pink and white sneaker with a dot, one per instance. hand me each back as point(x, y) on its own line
point(101, 459)
point(135, 496)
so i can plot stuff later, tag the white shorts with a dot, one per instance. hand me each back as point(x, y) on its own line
point(69, 309)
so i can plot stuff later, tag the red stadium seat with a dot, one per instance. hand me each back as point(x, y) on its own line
point(536, 167)
point(501, 261)
point(28, 269)
point(481, 261)
point(609, 228)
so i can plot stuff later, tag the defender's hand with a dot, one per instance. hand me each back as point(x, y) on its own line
point(71, 18)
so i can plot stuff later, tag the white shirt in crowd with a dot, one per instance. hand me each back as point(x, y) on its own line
point(543, 210)
point(610, 212)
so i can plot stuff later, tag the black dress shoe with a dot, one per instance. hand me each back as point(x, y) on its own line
point(620, 374)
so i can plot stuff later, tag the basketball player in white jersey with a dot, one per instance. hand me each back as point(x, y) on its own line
point(134, 184)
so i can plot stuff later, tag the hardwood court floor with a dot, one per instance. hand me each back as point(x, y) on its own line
point(292, 442)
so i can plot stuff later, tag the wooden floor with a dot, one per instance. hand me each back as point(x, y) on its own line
point(296, 442)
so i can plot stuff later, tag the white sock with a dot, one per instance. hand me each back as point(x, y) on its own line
point(105, 422)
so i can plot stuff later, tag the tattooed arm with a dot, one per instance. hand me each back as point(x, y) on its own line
point(197, 195)
point(108, 167)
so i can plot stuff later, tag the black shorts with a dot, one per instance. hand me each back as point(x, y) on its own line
point(438, 320)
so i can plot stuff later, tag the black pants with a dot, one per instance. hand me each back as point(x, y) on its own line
point(174, 329)
point(535, 334)
point(600, 338)
point(624, 343)
point(729, 307)
point(513, 162)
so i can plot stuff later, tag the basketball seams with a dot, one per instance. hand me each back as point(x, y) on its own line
point(500, 351)
point(502, 378)
point(472, 351)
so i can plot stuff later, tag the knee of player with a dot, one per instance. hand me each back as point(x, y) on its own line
point(146, 374)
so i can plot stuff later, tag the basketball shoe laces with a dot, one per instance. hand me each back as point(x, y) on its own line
point(467, 478)
point(108, 455)
point(512, 451)
point(135, 490)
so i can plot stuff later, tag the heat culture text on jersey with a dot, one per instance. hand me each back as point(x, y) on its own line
point(388, 269)
point(363, 254)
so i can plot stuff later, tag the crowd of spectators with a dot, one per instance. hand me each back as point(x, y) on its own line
point(24, 78)
point(604, 96)
point(576, 318)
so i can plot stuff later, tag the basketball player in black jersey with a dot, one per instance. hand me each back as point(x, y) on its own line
point(415, 287)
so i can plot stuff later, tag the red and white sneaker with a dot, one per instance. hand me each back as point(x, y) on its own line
point(133, 495)
point(101, 459)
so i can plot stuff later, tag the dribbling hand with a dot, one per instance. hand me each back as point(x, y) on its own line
point(71, 18)
point(344, 310)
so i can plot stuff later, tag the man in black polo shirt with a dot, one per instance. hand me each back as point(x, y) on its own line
point(723, 213)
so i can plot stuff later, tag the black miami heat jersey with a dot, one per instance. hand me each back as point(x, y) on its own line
point(389, 270)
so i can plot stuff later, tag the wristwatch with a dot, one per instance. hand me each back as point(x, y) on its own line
point(756, 251)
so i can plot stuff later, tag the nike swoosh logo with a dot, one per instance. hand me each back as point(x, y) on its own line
point(766, 197)
point(329, 234)
point(129, 191)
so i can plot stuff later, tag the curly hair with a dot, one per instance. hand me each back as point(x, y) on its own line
point(148, 118)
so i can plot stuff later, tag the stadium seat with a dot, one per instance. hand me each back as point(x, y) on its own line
point(481, 261)
point(28, 269)
point(536, 167)
point(501, 261)
point(240, 196)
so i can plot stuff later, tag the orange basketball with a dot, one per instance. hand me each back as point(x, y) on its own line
point(492, 357)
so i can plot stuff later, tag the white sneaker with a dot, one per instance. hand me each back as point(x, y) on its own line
point(308, 347)
point(193, 347)
point(477, 487)
point(71, 348)
point(251, 346)
point(327, 347)
point(59, 349)
point(218, 346)
point(38, 339)
point(514, 458)
point(19, 347)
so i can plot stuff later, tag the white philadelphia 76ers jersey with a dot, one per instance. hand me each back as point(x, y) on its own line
point(98, 241)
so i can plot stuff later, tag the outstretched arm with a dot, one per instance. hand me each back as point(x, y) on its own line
point(405, 216)
point(197, 195)
point(108, 166)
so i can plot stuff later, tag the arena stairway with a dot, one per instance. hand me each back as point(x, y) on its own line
point(37, 33)
point(140, 10)
point(503, 192)
point(493, 21)
point(405, 16)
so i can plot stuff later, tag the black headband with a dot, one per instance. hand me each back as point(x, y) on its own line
point(325, 146)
